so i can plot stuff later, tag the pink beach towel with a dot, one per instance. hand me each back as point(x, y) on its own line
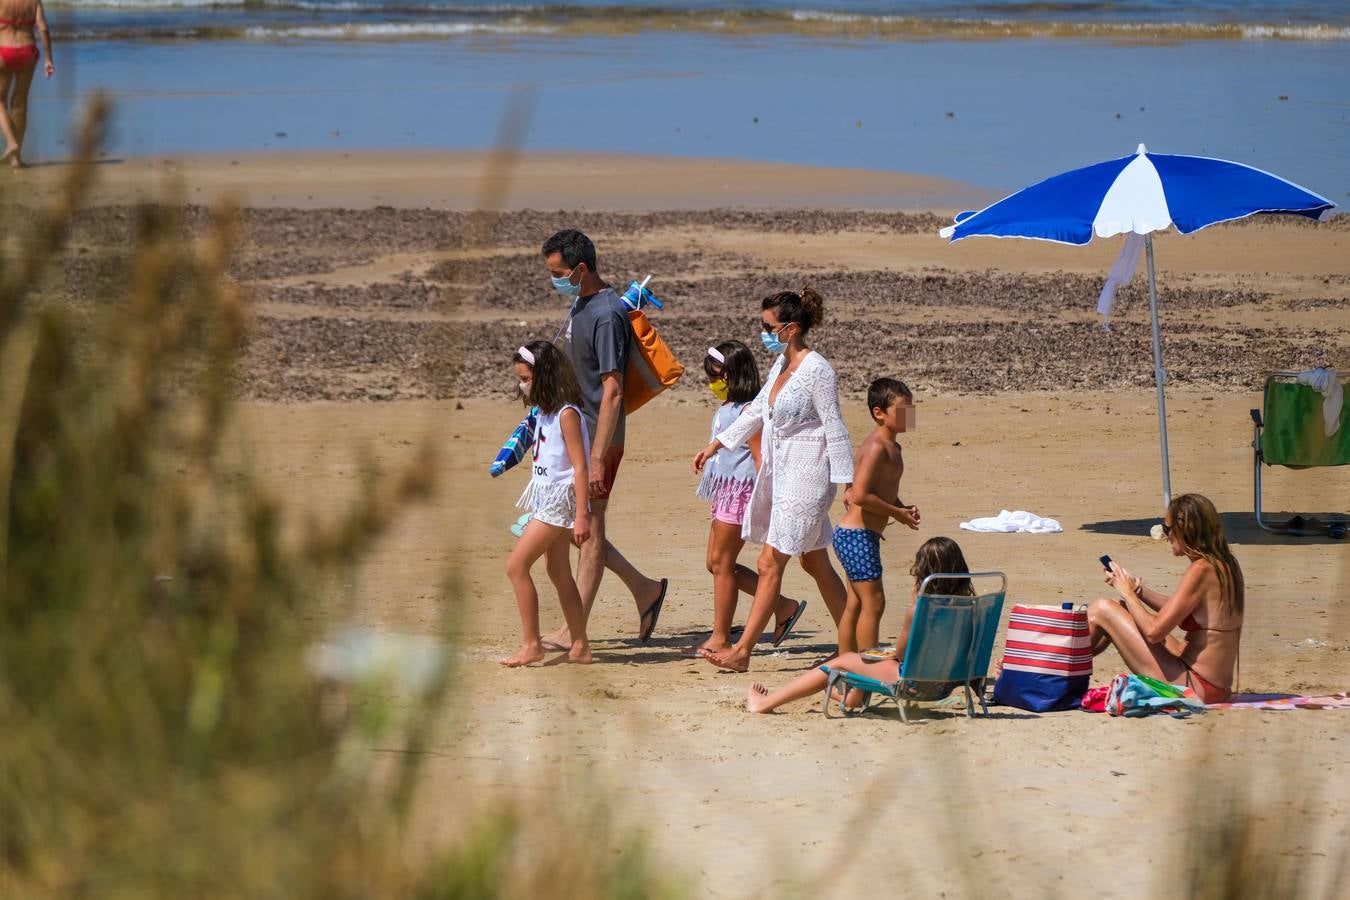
point(1285, 701)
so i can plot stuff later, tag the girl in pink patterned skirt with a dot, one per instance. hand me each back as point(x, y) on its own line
point(728, 479)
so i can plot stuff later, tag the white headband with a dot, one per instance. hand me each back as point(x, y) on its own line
point(525, 354)
point(717, 355)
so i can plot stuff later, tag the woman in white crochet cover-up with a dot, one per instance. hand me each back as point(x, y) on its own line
point(806, 453)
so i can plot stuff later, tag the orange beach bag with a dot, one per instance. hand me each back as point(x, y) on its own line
point(651, 367)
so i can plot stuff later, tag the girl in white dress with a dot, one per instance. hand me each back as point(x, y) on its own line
point(556, 496)
point(806, 453)
point(727, 483)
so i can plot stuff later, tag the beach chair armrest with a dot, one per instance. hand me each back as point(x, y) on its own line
point(1256, 417)
point(848, 680)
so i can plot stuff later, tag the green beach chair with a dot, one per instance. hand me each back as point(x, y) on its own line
point(950, 642)
point(1290, 432)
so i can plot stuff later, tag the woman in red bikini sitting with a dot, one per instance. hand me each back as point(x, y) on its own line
point(18, 62)
point(1206, 606)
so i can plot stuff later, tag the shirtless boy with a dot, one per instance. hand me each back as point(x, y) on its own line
point(871, 504)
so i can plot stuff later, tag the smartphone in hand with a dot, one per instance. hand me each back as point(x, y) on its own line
point(1106, 562)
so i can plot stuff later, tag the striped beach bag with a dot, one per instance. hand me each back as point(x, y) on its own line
point(1047, 660)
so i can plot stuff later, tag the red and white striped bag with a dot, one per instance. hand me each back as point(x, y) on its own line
point(1047, 658)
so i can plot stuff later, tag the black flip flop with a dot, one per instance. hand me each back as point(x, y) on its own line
point(645, 634)
point(790, 624)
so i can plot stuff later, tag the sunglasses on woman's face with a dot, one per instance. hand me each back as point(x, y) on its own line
point(770, 328)
point(1167, 530)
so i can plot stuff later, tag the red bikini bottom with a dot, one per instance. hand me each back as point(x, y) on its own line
point(17, 59)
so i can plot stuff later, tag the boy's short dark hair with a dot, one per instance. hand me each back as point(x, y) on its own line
point(574, 247)
point(882, 393)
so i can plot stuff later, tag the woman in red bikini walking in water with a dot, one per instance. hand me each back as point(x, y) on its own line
point(1206, 606)
point(18, 62)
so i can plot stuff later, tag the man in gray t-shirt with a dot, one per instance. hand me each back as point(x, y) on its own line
point(599, 341)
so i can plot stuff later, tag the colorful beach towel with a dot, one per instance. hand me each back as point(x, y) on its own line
point(516, 446)
point(1138, 695)
point(1285, 701)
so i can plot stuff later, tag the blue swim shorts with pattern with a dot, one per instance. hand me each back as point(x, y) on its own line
point(859, 552)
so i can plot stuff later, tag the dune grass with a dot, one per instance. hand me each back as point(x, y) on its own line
point(167, 732)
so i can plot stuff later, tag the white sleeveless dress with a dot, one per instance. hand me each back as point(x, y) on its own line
point(551, 494)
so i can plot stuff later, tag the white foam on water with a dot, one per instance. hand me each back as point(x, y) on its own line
point(391, 30)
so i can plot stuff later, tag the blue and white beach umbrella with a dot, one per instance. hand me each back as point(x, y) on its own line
point(1140, 194)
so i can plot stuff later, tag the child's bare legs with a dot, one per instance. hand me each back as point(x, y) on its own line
point(559, 562)
point(771, 565)
point(831, 586)
point(872, 598)
point(848, 622)
point(534, 543)
point(597, 555)
point(759, 699)
point(724, 545)
point(729, 578)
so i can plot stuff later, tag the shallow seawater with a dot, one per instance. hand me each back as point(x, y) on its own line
point(995, 113)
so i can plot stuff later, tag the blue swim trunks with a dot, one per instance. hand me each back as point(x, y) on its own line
point(859, 552)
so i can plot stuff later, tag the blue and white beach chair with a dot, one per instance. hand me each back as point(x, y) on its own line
point(950, 642)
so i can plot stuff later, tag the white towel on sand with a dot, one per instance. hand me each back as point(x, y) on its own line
point(1021, 520)
point(1325, 382)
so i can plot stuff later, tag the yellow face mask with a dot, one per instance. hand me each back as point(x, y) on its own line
point(719, 389)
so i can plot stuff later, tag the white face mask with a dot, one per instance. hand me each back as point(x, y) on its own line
point(525, 388)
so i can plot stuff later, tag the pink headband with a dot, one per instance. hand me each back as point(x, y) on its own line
point(525, 354)
point(717, 355)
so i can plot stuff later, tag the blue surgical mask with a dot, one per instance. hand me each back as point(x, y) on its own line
point(771, 340)
point(564, 285)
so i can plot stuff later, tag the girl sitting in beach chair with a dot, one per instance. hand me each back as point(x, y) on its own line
point(936, 555)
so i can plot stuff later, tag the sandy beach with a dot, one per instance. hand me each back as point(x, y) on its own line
point(368, 287)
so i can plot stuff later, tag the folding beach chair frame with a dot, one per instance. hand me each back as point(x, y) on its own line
point(901, 692)
point(1334, 526)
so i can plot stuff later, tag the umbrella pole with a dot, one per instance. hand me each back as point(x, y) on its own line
point(1159, 374)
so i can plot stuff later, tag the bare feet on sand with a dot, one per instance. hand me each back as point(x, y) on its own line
point(11, 156)
point(528, 653)
point(648, 615)
point(756, 698)
point(729, 661)
point(558, 640)
point(708, 646)
point(579, 654)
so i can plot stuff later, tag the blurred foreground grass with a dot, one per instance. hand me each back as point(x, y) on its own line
point(168, 729)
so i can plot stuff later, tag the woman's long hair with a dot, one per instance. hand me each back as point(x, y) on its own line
point(1197, 526)
point(942, 555)
point(740, 370)
point(554, 384)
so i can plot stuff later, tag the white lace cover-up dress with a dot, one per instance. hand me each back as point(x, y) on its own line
point(805, 453)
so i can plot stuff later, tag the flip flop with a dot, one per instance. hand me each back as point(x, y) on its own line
point(518, 528)
point(786, 627)
point(552, 645)
point(645, 632)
